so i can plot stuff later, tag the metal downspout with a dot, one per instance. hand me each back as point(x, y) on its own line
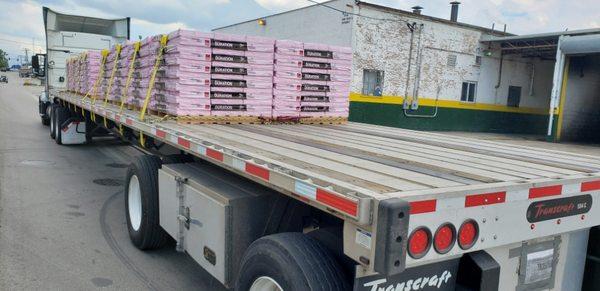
point(559, 67)
point(412, 37)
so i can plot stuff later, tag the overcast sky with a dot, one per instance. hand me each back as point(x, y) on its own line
point(21, 20)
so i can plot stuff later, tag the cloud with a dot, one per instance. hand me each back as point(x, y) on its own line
point(282, 5)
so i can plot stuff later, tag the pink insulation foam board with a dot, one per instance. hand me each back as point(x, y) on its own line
point(190, 38)
point(224, 81)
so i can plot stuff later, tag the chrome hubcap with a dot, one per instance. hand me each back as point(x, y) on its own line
point(265, 283)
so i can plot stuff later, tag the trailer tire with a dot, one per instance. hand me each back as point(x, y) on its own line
point(61, 115)
point(141, 203)
point(290, 262)
point(45, 121)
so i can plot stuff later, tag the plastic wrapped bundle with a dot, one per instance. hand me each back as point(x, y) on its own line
point(312, 79)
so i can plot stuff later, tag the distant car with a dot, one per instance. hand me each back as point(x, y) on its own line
point(4, 70)
point(3, 79)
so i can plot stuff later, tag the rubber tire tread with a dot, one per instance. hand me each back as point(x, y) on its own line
point(62, 114)
point(150, 235)
point(297, 261)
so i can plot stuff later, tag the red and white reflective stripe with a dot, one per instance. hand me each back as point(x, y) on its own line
point(252, 169)
point(483, 199)
point(332, 200)
point(129, 121)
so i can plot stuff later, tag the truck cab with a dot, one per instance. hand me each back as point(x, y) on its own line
point(68, 35)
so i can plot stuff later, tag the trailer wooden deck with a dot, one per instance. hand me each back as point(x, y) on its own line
point(345, 167)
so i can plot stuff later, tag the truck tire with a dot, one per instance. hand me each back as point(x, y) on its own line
point(52, 121)
point(141, 203)
point(61, 115)
point(290, 262)
point(45, 121)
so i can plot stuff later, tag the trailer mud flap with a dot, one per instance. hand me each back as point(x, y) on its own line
point(436, 276)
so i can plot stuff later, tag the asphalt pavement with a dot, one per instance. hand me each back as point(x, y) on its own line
point(62, 217)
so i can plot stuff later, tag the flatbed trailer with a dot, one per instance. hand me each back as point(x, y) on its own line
point(411, 209)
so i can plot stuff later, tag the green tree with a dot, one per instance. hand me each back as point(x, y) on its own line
point(3, 59)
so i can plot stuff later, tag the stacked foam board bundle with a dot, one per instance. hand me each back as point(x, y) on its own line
point(89, 67)
point(241, 76)
point(143, 68)
point(104, 85)
point(311, 80)
point(120, 80)
point(71, 70)
point(183, 81)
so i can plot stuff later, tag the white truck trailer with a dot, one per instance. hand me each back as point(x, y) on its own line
point(342, 207)
point(69, 35)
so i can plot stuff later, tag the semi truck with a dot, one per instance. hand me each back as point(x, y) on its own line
point(348, 206)
point(69, 35)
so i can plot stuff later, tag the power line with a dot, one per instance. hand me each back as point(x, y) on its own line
point(357, 14)
point(15, 41)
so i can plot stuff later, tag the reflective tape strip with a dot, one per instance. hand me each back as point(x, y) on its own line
point(129, 121)
point(337, 202)
point(238, 164)
point(201, 150)
point(305, 190)
point(590, 186)
point(425, 206)
point(160, 133)
point(485, 199)
point(183, 142)
point(545, 191)
point(214, 154)
point(257, 171)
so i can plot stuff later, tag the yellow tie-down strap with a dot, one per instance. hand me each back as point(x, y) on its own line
point(124, 92)
point(163, 44)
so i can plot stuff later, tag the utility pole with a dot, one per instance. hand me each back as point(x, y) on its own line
point(26, 54)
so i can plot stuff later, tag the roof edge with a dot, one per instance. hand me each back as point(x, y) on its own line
point(433, 18)
point(274, 14)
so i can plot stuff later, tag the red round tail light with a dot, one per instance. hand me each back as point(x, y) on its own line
point(419, 242)
point(467, 234)
point(444, 238)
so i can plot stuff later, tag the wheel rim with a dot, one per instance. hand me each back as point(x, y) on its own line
point(265, 283)
point(134, 202)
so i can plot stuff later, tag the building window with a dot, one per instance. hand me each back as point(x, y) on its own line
point(372, 82)
point(514, 96)
point(451, 62)
point(477, 61)
point(469, 91)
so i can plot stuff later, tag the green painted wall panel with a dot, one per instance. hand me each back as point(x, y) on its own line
point(449, 119)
